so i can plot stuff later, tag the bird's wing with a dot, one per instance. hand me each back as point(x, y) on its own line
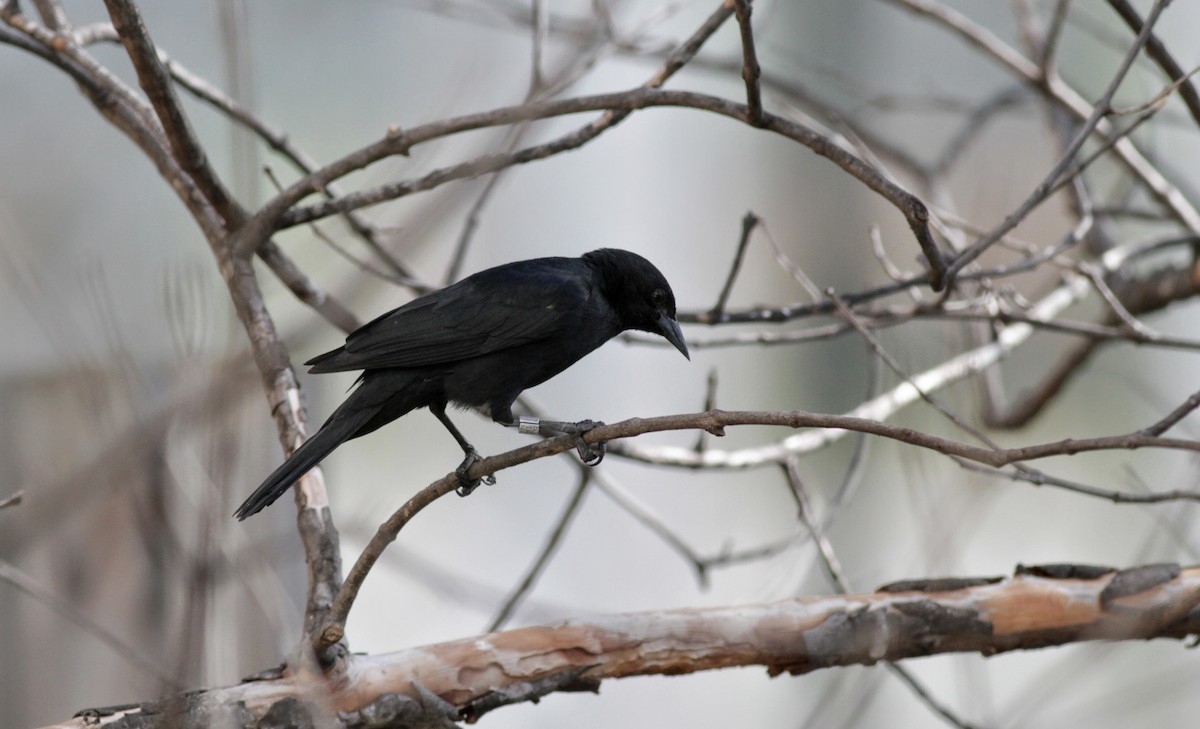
point(497, 310)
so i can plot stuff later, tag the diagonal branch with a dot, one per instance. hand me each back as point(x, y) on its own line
point(155, 80)
point(750, 221)
point(275, 215)
point(1100, 109)
point(1070, 100)
point(279, 141)
point(122, 107)
point(1156, 50)
point(12, 575)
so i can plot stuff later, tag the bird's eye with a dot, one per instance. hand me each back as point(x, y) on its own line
point(658, 298)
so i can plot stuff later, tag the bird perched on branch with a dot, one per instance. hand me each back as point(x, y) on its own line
point(478, 344)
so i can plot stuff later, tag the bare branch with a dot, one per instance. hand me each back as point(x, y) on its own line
point(1099, 110)
point(750, 69)
point(715, 422)
point(1070, 100)
point(278, 140)
point(1038, 607)
point(306, 290)
point(276, 213)
point(749, 223)
point(1156, 50)
point(156, 82)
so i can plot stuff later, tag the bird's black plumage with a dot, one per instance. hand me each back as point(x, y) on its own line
point(479, 343)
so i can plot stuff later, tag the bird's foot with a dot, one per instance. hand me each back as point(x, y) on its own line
point(590, 453)
point(465, 484)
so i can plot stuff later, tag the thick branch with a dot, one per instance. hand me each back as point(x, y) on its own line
point(460, 680)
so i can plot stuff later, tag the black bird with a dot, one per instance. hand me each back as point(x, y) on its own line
point(478, 344)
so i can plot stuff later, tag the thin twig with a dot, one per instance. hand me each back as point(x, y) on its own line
point(52, 14)
point(644, 515)
point(1096, 277)
point(412, 284)
point(14, 500)
point(749, 223)
point(1172, 419)
point(847, 313)
point(808, 517)
point(1069, 99)
point(750, 68)
point(1157, 51)
point(857, 466)
point(1039, 478)
point(306, 290)
point(926, 698)
point(1053, 36)
point(1100, 109)
point(837, 577)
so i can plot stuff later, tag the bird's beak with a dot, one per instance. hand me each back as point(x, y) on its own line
point(670, 330)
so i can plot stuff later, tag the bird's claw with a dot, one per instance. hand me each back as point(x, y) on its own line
point(590, 453)
point(465, 484)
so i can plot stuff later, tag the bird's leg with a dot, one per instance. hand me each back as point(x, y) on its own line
point(471, 456)
point(590, 453)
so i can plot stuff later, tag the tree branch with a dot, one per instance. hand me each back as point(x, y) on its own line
point(277, 215)
point(155, 80)
point(1038, 607)
point(750, 69)
point(714, 422)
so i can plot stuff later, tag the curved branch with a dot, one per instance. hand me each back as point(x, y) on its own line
point(401, 141)
point(396, 142)
point(714, 422)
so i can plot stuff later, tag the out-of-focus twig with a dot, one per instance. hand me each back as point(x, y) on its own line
point(14, 500)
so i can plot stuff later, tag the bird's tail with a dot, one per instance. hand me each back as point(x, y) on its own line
point(346, 422)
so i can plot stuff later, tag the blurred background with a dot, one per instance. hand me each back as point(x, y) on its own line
point(135, 422)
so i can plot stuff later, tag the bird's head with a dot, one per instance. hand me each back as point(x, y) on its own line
point(640, 294)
